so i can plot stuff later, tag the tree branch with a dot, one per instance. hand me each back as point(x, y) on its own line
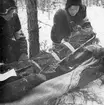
point(44, 23)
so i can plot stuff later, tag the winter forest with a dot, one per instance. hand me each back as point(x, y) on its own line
point(45, 13)
point(67, 73)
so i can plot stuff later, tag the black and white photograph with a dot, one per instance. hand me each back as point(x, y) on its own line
point(51, 52)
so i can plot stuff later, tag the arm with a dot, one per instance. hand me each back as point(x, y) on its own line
point(55, 32)
point(19, 36)
point(60, 27)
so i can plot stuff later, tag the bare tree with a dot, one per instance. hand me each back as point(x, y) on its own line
point(33, 31)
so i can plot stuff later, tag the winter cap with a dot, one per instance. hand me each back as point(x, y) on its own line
point(73, 2)
point(6, 6)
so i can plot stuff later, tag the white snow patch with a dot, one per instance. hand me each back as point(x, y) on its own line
point(96, 17)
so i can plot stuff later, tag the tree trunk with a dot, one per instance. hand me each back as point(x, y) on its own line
point(33, 31)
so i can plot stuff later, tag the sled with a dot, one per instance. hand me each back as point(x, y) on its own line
point(31, 73)
point(74, 42)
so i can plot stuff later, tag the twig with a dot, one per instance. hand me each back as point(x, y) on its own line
point(44, 23)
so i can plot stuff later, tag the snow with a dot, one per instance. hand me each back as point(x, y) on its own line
point(45, 30)
point(96, 17)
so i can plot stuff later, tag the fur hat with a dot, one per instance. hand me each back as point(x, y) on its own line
point(73, 2)
point(6, 6)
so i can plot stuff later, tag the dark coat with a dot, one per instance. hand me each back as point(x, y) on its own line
point(12, 40)
point(62, 27)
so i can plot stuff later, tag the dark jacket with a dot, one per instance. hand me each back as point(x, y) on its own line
point(62, 26)
point(12, 40)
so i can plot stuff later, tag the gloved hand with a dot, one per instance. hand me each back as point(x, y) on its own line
point(23, 57)
point(75, 27)
point(66, 39)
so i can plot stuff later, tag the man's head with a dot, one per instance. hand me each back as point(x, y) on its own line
point(72, 6)
point(9, 14)
point(7, 9)
point(73, 10)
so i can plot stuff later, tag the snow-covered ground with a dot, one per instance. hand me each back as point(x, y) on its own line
point(45, 30)
point(95, 15)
